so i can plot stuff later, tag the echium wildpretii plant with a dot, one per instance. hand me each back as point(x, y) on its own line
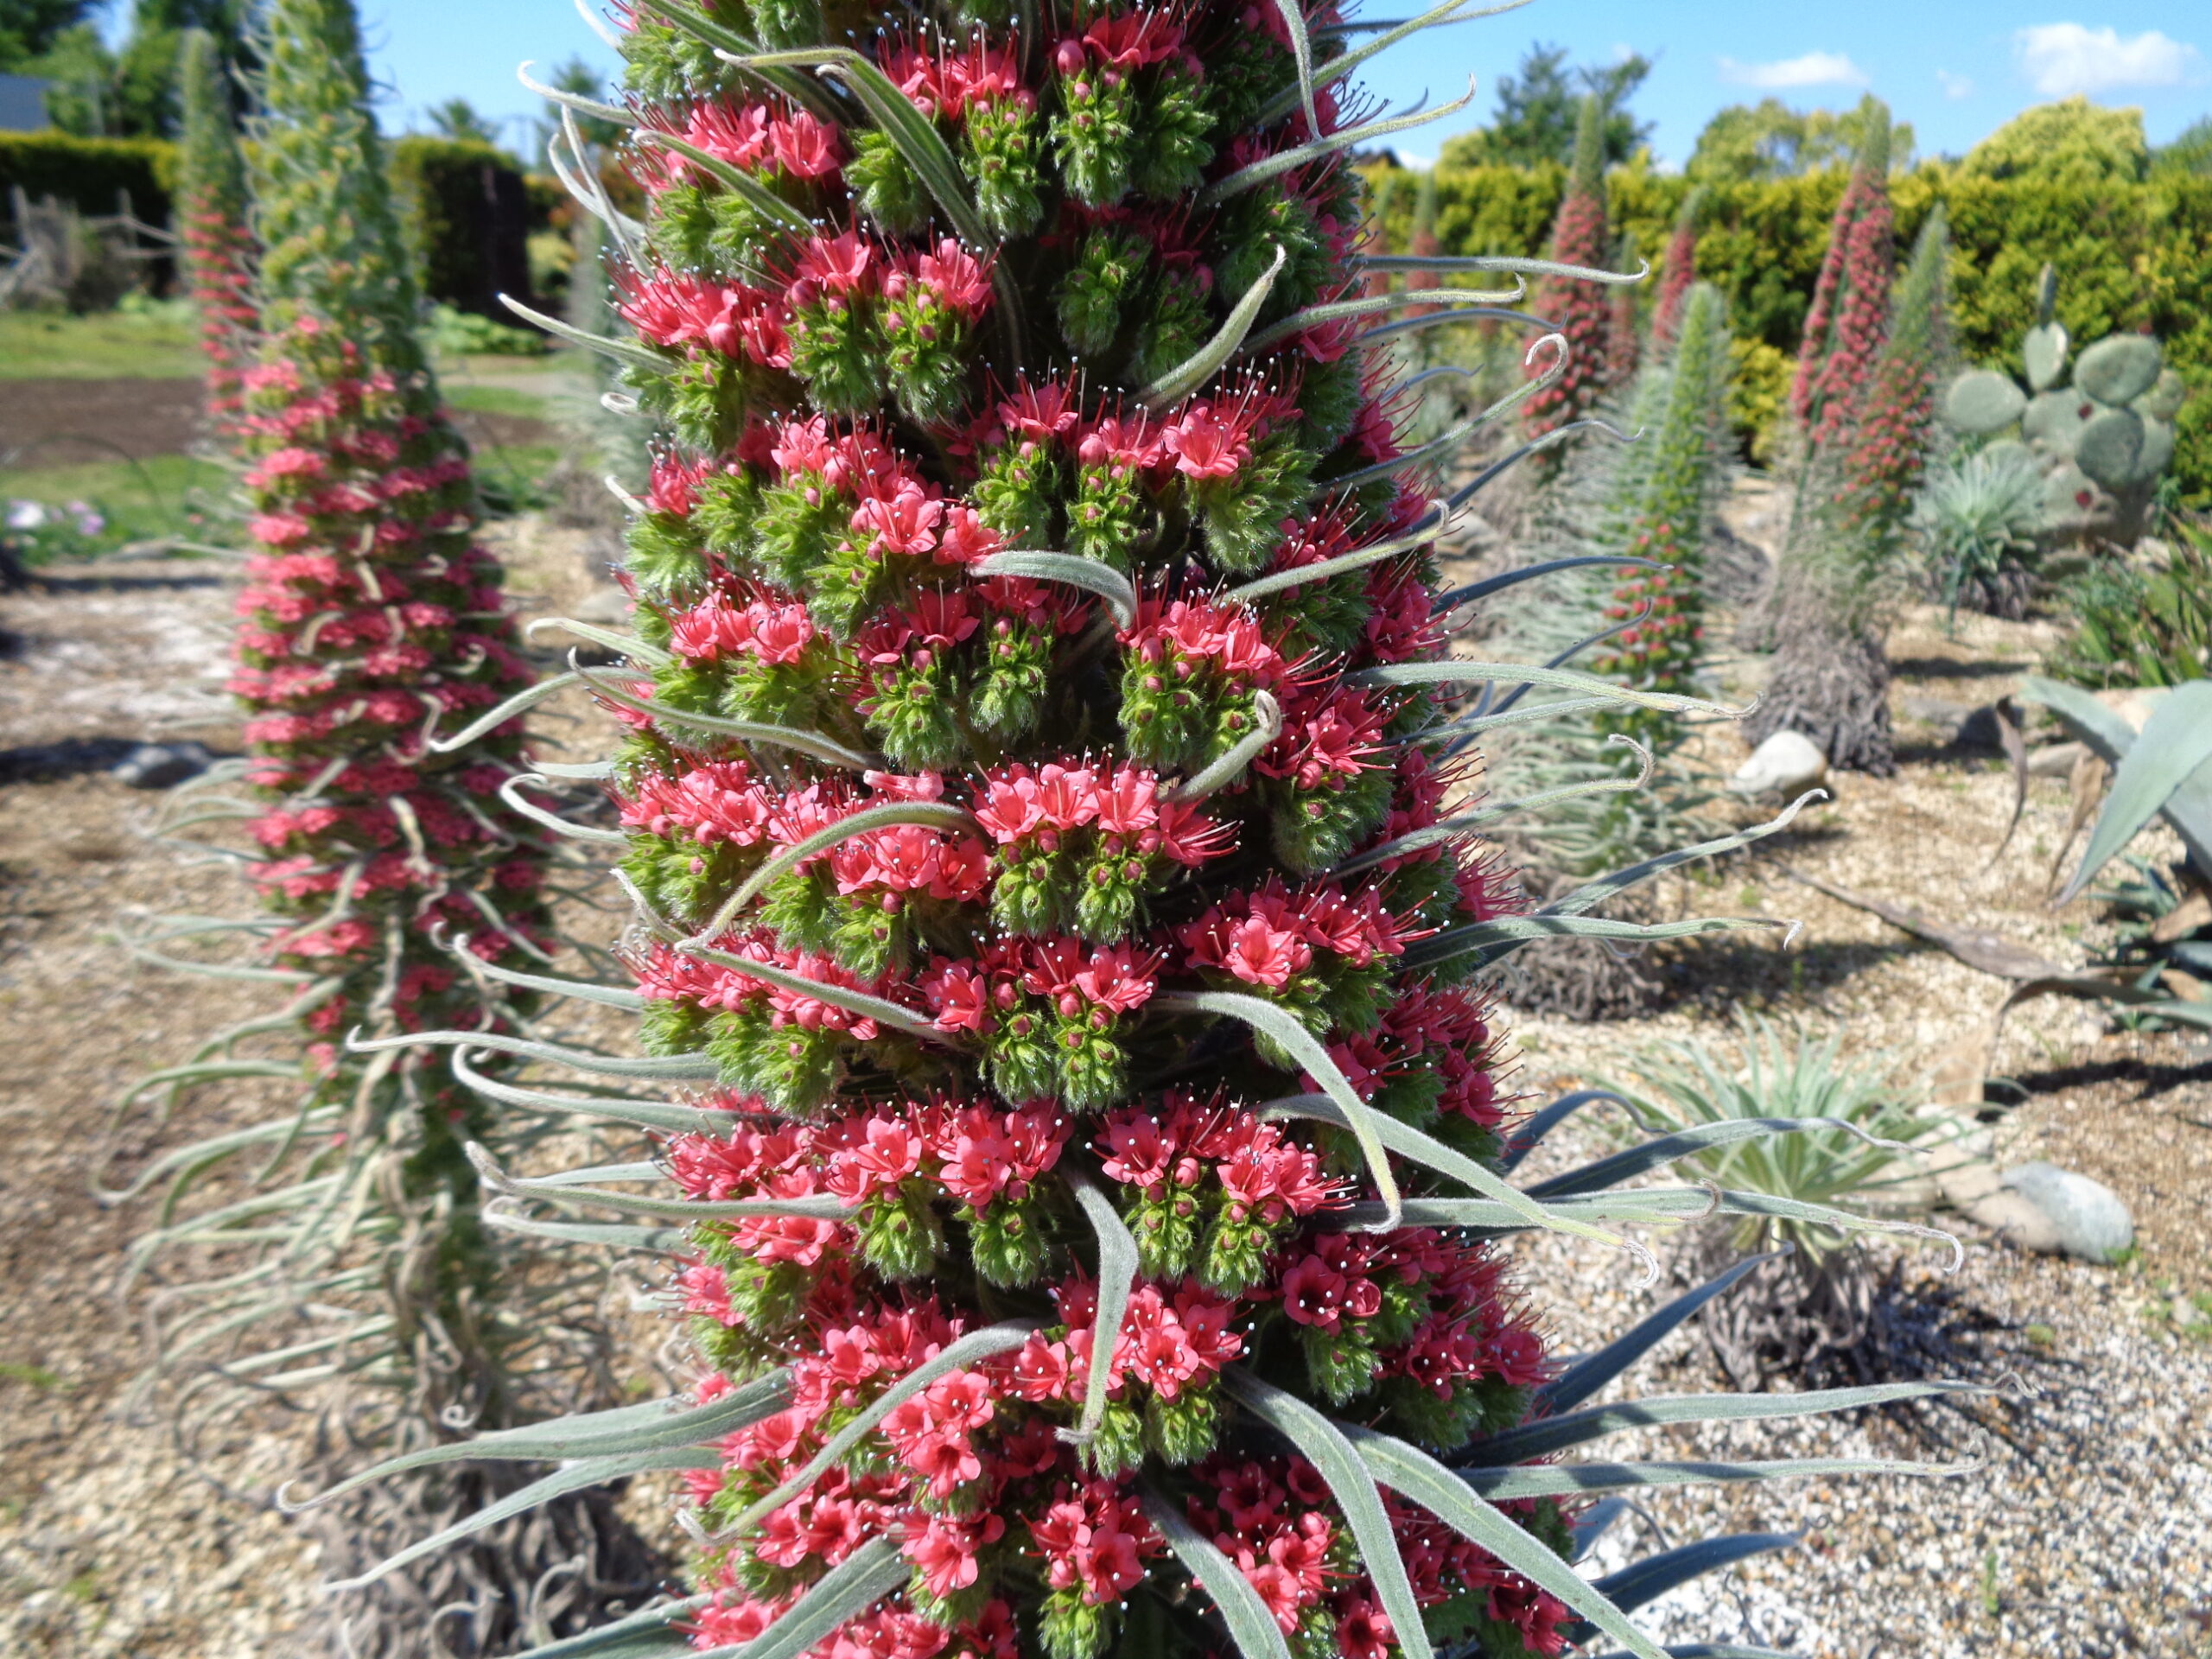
point(1583, 313)
point(395, 874)
point(211, 212)
point(1850, 314)
point(1037, 792)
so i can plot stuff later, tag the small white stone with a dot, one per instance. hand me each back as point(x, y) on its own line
point(1789, 763)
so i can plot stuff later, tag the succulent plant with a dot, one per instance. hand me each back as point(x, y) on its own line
point(211, 224)
point(1680, 270)
point(2137, 625)
point(2102, 434)
point(1849, 317)
point(1040, 817)
point(1580, 236)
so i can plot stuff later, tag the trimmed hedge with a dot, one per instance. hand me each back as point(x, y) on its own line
point(468, 212)
point(2129, 256)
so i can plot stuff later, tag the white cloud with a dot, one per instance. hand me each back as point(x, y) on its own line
point(2062, 59)
point(1955, 86)
point(1813, 69)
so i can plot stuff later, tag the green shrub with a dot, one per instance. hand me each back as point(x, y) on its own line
point(464, 212)
point(91, 172)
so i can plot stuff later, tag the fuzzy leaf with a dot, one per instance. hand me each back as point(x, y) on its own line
point(509, 792)
point(1648, 1579)
point(485, 724)
point(755, 195)
point(1322, 1443)
point(1369, 1127)
point(1289, 160)
point(1596, 892)
point(783, 737)
point(1552, 1435)
point(676, 1068)
point(1510, 265)
point(1439, 448)
point(1415, 840)
point(1452, 11)
point(614, 113)
point(1459, 304)
point(581, 990)
point(1210, 359)
point(1513, 932)
point(626, 645)
point(1413, 1474)
point(650, 1114)
point(622, 351)
point(1566, 1479)
point(1634, 1160)
point(1453, 671)
point(975, 1346)
point(883, 1011)
point(847, 1590)
point(1252, 1628)
point(1530, 1135)
point(1266, 727)
point(1483, 589)
point(658, 1240)
point(628, 1637)
point(1593, 1371)
point(1430, 526)
point(1089, 574)
point(1118, 1274)
point(1293, 14)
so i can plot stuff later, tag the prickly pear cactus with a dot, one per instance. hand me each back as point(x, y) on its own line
point(2103, 433)
point(1036, 799)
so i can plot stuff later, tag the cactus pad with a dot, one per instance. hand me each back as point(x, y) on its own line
point(2119, 369)
point(2054, 421)
point(2163, 401)
point(1982, 402)
point(2045, 351)
point(2110, 448)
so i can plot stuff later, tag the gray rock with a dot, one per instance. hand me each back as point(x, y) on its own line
point(1787, 763)
point(162, 766)
point(2087, 1217)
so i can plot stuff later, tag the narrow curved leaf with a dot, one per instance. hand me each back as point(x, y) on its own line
point(1292, 13)
point(1322, 1443)
point(1413, 1474)
point(1466, 823)
point(615, 1108)
point(581, 990)
point(1456, 313)
point(684, 1068)
point(1459, 304)
point(657, 1241)
point(1454, 672)
point(622, 351)
point(1593, 1523)
point(1117, 1275)
point(1513, 932)
point(755, 195)
point(521, 703)
point(1089, 574)
point(749, 731)
point(626, 645)
point(509, 790)
point(1483, 589)
point(933, 815)
point(1427, 528)
point(1267, 726)
point(1593, 1371)
point(625, 1429)
point(1648, 1579)
point(1344, 64)
point(1604, 888)
point(1510, 265)
point(842, 1594)
point(1289, 160)
point(1634, 1160)
point(1208, 360)
point(1424, 1149)
point(975, 1346)
point(1568, 1479)
point(591, 1471)
point(1252, 1628)
point(614, 113)
point(1368, 1126)
point(882, 1010)
point(621, 1639)
point(1552, 1435)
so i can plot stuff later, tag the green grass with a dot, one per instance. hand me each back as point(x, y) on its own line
point(164, 495)
point(497, 400)
point(35, 344)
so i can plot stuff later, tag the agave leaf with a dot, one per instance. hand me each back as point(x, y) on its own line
point(1322, 1444)
point(785, 737)
point(1566, 1479)
point(1648, 1579)
point(1208, 359)
point(1593, 1371)
point(590, 1471)
point(1117, 1274)
point(1457, 672)
point(883, 1011)
point(626, 1638)
point(1252, 1628)
point(1460, 305)
point(1530, 1135)
point(1596, 892)
point(1552, 1435)
point(1410, 1142)
point(658, 1240)
point(1266, 727)
point(509, 792)
point(1289, 160)
point(1089, 574)
point(1483, 589)
point(1634, 1160)
point(520, 702)
point(1507, 933)
point(1344, 64)
point(934, 815)
point(975, 1346)
point(627, 645)
point(690, 1068)
point(1413, 1474)
point(622, 351)
point(624, 1430)
point(863, 1578)
point(2176, 744)
point(615, 1108)
point(755, 195)
point(582, 990)
point(1369, 1127)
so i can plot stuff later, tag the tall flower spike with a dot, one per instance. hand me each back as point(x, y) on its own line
point(1850, 312)
point(1035, 794)
point(211, 209)
point(1584, 313)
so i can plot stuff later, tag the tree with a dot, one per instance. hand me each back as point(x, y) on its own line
point(1744, 144)
point(2190, 153)
point(456, 118)
point(2073, 143)
point(1538, 111)
point(30, 29)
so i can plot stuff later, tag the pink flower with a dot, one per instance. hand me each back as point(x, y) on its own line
point(804, 147)
point(1208, 442)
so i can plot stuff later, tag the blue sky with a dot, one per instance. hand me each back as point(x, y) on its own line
point(1954, 69)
